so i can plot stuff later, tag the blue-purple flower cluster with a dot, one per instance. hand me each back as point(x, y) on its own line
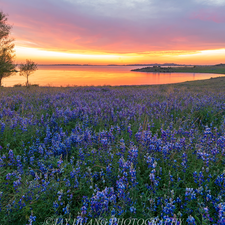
point(127, 152)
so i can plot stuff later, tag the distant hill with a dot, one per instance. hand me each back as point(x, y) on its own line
point(157, 64)
point(152, 64)
point(221, 64)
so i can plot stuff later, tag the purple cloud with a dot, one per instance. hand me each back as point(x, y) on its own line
point(127, 26)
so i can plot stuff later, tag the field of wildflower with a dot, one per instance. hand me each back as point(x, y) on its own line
point(112, 152)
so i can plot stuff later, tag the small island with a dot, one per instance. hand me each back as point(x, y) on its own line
point(219, 68)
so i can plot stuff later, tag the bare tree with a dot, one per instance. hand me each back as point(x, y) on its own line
point(7, 67)
point(27, 69)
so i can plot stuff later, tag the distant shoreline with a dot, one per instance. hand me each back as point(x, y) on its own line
point(154, 64)
point(216, 69)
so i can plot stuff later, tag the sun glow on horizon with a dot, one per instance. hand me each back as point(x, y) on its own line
point(57, 57)
point(103, 58)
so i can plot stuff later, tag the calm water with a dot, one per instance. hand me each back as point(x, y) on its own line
point(101, 75)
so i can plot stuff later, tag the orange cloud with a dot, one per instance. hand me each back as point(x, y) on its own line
point(107, 32)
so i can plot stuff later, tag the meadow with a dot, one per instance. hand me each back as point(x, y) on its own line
point(113, 152)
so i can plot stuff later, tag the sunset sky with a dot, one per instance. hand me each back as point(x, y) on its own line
point(118, 31)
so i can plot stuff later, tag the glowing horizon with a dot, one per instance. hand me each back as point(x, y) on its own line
point(100, 58)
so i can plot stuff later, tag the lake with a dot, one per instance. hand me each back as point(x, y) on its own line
point(101, 75)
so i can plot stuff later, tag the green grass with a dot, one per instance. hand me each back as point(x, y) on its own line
point(173, 107)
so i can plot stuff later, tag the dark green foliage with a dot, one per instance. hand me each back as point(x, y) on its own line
point(7, 67)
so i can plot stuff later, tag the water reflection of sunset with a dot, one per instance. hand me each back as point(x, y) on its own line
point(101, 75)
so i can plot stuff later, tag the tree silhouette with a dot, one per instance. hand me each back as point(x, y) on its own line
point(27, 69)
point(7, 68)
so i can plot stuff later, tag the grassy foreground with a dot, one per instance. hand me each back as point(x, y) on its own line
point(72, 155)
point(218, 69)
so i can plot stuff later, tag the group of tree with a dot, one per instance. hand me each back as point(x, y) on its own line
point(7, 54)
